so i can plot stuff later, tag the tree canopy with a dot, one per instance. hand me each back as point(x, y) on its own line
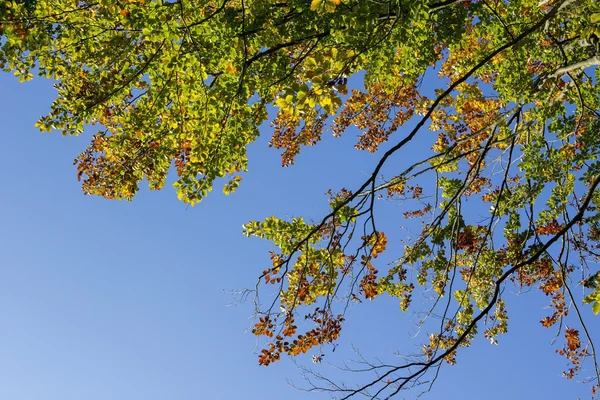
point(512, 110)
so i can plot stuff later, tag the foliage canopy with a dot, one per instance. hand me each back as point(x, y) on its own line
point(514, 116)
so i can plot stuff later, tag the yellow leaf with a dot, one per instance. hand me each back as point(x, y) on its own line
point(314, 4)
point(230, 68)
point(331, 4)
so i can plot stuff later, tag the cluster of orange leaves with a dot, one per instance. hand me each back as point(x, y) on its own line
point(368, 283)
point(417, 213)
point(269, 274)
point(182, 156)
point(397, 188)
point(327, 331)
point(303, 289)
point(476, 185)
point(466, 128)
point(290, 134)
point(550, 282)
point(370, 112)
point(478, 113)
point(328, 327)
point(573, 352)
point(550, 228)
point(264, 326)
point(379, 243)
point(469, 239)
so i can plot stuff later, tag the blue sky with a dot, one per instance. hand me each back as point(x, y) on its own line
point(115, 300)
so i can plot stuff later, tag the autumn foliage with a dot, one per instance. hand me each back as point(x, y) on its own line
point(501, 97)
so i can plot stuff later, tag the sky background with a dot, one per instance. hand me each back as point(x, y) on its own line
point(114, 300)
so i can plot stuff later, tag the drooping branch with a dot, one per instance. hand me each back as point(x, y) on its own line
point(424, 366)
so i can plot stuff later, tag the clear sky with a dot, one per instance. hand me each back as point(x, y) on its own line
point(115, 300)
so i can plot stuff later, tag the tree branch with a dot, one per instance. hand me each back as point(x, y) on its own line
point(590, 62)
point(280, 46)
